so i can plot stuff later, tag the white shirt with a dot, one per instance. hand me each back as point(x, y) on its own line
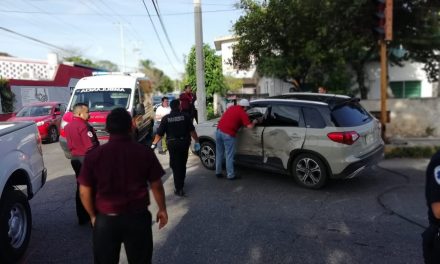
point(161, 112)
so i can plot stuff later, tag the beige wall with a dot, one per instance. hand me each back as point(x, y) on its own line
point(410, 117)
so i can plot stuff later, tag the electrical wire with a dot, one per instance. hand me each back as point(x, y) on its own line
point(33, 39)
point(165, 30)
point(157, 35)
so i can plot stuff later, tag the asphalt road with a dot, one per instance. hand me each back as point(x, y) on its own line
point(261, 218)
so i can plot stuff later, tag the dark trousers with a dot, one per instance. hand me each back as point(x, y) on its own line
point(431, 245)
point(178, 149)
point(134, 230)
point(82, 214)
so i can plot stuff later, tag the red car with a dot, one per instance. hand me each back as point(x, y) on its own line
point(47, 115)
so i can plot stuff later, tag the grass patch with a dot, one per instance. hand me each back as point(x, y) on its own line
point(410, 152)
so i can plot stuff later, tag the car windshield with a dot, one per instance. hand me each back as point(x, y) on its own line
point(41, 110)
point(102, 99)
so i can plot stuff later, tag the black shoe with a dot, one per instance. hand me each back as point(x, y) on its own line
point(234, 178)
point(219, 175)
point(162, 152)
point(180, 193)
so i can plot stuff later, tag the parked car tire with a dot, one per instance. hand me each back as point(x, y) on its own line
point(53, 135)
point(207, 154)
point(15, 226)
point(309, 171)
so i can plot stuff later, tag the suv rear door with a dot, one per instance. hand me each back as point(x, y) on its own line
point(284, 132)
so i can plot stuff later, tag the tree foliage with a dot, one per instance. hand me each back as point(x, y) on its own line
point(161, 82)
point(325, 42)
point(107, 65)
point(81, 60)
point(214, 80)
point(7, 97)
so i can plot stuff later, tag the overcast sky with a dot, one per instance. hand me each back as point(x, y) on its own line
point(93, 28)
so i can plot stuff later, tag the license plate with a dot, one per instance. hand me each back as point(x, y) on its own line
point(369, 139)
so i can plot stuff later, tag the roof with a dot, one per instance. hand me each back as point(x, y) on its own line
point(318, 98)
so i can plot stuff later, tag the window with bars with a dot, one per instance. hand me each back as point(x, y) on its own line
point(406, 89)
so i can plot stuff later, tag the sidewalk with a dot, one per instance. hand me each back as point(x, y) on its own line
point(412, 142)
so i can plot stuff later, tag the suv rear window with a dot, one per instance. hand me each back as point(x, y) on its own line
point(350, 114)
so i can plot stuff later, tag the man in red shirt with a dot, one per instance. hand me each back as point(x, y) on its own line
point(114, 184)
point(231, 121)
point(81, 138)
point(187, 101)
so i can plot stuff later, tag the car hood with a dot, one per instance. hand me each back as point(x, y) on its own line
point(29, 118)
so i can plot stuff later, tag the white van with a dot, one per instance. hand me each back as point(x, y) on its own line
point(106, 91)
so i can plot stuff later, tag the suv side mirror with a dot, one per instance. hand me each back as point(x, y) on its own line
point(140, 109)
point(57, 113)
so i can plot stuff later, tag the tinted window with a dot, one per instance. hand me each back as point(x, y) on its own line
point(350, 114)
point(313, 118)
point(283, 115)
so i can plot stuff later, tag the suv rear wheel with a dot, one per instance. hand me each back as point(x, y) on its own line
point(53, 134)
point(207, 155)
point(309, 171)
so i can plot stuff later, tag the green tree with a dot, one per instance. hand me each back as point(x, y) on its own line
point(161, 82)
point(7, 97)
point(327, 41)
point(108, 65)
point(214, 79)
point(233, 84)
point(81, 60)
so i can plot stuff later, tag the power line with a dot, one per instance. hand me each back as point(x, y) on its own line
point(165, 30)
point(33, 39)
point(122, 15)
point(157, 35)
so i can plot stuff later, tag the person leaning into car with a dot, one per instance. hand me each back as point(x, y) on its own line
point(431, 236)
point(81, 138)
point(179, 129)
point(231, 121)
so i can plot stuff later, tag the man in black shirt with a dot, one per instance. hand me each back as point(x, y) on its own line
point(179, 129)
point(431, 236)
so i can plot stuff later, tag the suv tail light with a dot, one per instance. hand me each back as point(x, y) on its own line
point(347, 138)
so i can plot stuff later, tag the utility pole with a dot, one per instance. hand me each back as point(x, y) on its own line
point(121, 30)
point(384, 30)
point(200, 62)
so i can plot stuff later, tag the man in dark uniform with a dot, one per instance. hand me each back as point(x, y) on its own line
point(114, 183)
point(81, 138)
point(179, 129)
point(431, 236)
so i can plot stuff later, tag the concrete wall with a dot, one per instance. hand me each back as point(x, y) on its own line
point(410, 117)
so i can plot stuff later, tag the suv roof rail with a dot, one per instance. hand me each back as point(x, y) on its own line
point(134, 74)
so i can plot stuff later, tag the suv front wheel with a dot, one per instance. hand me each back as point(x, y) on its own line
point(309, 171)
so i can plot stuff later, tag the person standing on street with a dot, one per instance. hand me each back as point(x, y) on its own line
point(81, 138)
point(431, 236)
point(231, 121)
point(187, 99)
point(179, 129)
point(163, 110)
point(114, 184)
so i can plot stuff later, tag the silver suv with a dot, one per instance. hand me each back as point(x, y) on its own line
point(312, 137)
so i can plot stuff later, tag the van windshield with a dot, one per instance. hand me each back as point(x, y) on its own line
point(102, 99)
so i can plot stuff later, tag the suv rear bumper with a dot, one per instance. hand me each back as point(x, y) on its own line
point(366, 161)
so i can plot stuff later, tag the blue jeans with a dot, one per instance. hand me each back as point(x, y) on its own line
point(225, 144)
point(159, 143)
